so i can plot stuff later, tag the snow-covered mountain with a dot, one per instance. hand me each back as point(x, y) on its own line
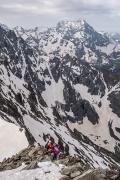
point(63, 83)
point(76, 38)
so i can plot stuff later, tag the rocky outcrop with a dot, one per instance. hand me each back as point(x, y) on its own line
point(90, 174)
point(29, 156)
point(72, 167)
point(34, 154)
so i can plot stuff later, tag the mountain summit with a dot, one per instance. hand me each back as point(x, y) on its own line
point(78, 25)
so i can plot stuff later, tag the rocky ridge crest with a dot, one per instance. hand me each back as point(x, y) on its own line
point(73, 167)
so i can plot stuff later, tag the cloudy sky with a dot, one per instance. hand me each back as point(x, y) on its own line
point(102, 14)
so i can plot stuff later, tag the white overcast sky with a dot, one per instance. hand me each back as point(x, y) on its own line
point(102, 14)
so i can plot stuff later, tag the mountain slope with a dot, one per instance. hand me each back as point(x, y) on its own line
point(49, 88)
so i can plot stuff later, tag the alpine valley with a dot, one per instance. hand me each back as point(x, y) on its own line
point(61, 83)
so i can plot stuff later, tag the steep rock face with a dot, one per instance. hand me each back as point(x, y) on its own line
point(51, 90)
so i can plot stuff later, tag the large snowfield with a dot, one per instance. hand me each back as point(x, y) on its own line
point(12, 140)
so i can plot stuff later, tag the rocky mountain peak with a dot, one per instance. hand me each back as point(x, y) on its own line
point(67, 25)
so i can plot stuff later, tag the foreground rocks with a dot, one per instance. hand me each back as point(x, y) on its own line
point(32, 155)
point(27, 156)
point(99, 174)
point(73, 167)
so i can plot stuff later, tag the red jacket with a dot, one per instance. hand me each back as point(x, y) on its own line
point(49, 147)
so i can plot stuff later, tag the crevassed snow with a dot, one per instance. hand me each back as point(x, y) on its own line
point(46, 171)
point(11, 139)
